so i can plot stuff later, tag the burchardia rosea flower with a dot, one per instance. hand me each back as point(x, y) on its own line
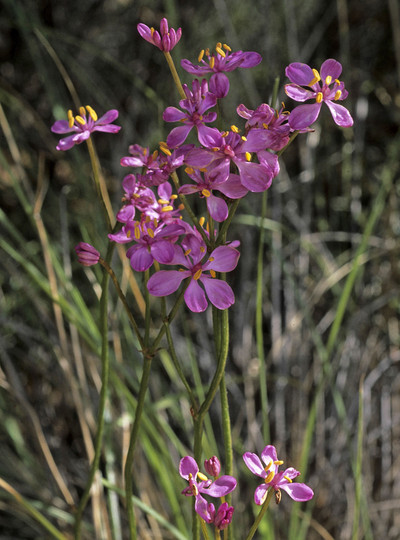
point(218, 62)
point(272, 125)
point(274, 479)
point(165, 40)
point(83, 126)
point(199, 483)
point(323, 86)
point(221, 259)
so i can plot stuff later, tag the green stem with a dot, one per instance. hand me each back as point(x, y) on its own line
point(174, 73)
point(105, 366)
point(260, 515)
point(96, 176)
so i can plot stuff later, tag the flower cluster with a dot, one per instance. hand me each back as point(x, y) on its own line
point(221, 166)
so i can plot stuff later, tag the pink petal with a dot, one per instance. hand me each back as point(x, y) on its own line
point(172, 114)
point(232, 188)
point(187, 466)
point(62, 126)
point(298, 93)
point(209, 137)
point(254, 177)
point(269, 454)
point(165, 282)
point(298, 492)
point(330, 67)
point(225, 259)
point(299, 73)
point(195, 297)
point(222, 486)
point(260, 494)
point(219, 292)
point(108, 117)
point(219, 85)
point(253, 463)
point(304, 115)
point(140, 258)
point(217, 208)
point(340, 114)
point(178, 135)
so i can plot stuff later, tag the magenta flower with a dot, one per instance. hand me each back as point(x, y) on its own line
point(221, 259)
point(199, 483)
point(212, 466)
point(165, 40)
point(223, 60)
point(83, 125)
point(324, 87)
point(272, 125)
point(197, 102)
point(273, 478)
point(220, 519)
point(136, 196)
point(87, 254)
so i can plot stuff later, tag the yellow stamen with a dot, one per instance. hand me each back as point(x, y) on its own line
point(226, 47)
point(189, 170)
point(154, 155)
point(316, 77)
point(278, 462)
point(269, 477)
point(167, 209)
point(225, 133)
point(92, 112)
point(206, 193)
point(202, 249)
point(152, 31)
point(218, 45)
point(70, 118)
point(211, 259)
point(220, 52)
point(201, 221)
point(164, 148)
point(187, 252)
point(235, 129)
point(150, 232)
point(200, 57)
point(207, 53)
point(338, 94)
point(248, 156)
point(266, 468)
point(337, 81)
point(243, 138)
point(265, 126)
point(319, 97)
point(196, 277)
point(213, 274)
point(163, 201)
point(212, 62)
point(137, 232)
point(129, 233)
point(173, 197)
point(328, 80)
point(200, 475)
point(80, 120)
point(288, 479)
point(155, 222)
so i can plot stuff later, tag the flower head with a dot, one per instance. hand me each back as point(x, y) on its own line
point(165, 40)
point(274, 479)
point(212, 466)
point(323, 86)
point(87, 254)
point(82, 125)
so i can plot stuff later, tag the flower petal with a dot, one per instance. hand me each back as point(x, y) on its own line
point(225, 259)
point(299, 73)
point(253, 463)
point(219, 292)
point(140, 258)
point(298, 492)
point(217, 208)
point(298, 93)
point(165, 282)
point(187, 466)
point(260, 494)
point(222, 486)
point(330, 67)
point(304, 115)
point(195, 297)
point(340, 114)
point(269, 454)
point(178, 135)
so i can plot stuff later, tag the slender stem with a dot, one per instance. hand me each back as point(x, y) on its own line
point(96, 176)
point(123, 300)
point(105, 365)
point(222, 232)
point(174, 73)
point(260, 515)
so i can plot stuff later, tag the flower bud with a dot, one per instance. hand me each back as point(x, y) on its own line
point(87, 254)
point(224, 516)
point(212, 466)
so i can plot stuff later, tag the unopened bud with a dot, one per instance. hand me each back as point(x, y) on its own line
point(212, 466)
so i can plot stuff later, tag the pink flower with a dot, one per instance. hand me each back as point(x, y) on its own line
point(165, 40)
point(83, 125)
point(324, 87)
point(274, 479)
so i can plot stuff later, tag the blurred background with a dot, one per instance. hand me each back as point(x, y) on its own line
point(329, 347)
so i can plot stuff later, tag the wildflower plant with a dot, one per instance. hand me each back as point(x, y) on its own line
point(188, 256)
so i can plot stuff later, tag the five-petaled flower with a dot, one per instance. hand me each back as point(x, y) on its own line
point(83, 125)
point(274, 479)
point(323, 86)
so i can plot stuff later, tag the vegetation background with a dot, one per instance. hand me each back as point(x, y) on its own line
point(330, 314)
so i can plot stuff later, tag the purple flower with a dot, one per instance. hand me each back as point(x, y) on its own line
point(83, 125)
point(324, 87)
point(273, 478)
point(165, 40)
point(221, 259)
point(220, 519)
point(136, 196)
point(223, 60)
point(272, 125)
point(199, 483)
point(197, 102)
point(212, 466)
point(87, 254)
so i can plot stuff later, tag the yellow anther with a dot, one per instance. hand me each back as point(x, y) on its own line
point(203, 169)
point(164, 148)
point(265, 126)
point(218, 45)
point(163, 201)
point(207, 53)
point(200, 475)
point(129, 233)
point(213, 274)
point(150, 232)
point(248, 156)
point(187, 252)
point(137, 233)
point(211, 259)
point(181, 207)
point(235, 129)
point(319, 97)
point(167, 209)
point(220, 51)
point(152, 31)
point(154, 155)
point(269, 477)
point(92, 112)
point(202, 249)
point(196, 277)
point(206, 192)
point(212, 62)
point(155, 222)
point(338, 94)
point(226, 47)
point(200, 57)
point(337, 81)
point(288, 479)
point(243, 138)
point(316, 77)
point(328, 80)
point(82, 111)
point(70, 119)
point(189, 170)
point(266, 468)
point(225, 133)
point(80, 120)
point(173, 197)
point(201, 221)
point(278, 462)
